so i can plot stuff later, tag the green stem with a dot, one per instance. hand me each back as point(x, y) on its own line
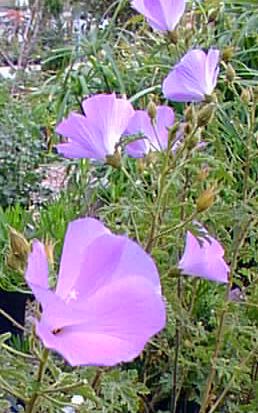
point(248, 152)
point(161, 186)
point(62, 389)
point(30, 406)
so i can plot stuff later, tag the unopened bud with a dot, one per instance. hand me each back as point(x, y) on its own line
point(188, 128)
point(205, 200)
point(151, 157)
point(189, 114)
point(246, 96)
point(230, 73)
point(227, 53)
point(49, 249)
point(152, 110)
point(18, 243)
point(213, 15)
point(172, 132)
point(203, 174)
point(140, 163)
point(205, 115)
point(173, 36)
point(114, 160)
point(15, 262)
point(211, 98)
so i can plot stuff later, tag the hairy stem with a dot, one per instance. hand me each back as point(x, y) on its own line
point(30, 406)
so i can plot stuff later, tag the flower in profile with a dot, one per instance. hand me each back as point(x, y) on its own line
point(153, 134)
point(194, 77)
point(107, 302)
point(161, 15)
point(95, 134)
point(203, 257)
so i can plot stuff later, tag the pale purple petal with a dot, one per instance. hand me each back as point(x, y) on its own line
point(110, 116)
point(96, 134)
point(164, 120)
point(212, 70)
point(74, 151)
point(140, 124)
point(204, 258)
point(84, 139)
point(80, 234)
point(193, 77)
point(162, 15)
point(156, 134)
point(109, 257)
point(37, 267)
point(119, 319)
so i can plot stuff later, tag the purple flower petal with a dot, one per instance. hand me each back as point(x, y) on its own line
point(107, 302)
point(155, 136)
point(140, 124)
point(119, 319)
point(37, 269)
point(204, 258)
point(79, 235)
point(96, 134)
point(84, 141)
point(110, 116)
point(162, 15)
point(164, 120)
point(193, 77)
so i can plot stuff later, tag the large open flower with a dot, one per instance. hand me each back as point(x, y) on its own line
point(162, 15)
point(194, 77)
point(95, 134)
point(203, 257)
point(107, 302)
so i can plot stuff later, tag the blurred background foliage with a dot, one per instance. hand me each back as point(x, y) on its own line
point(126, 56)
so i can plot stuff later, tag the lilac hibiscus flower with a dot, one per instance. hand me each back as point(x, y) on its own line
point(203, 257)
point(194, 77)
point(107, 302)
point(154, 136)
point(162, 15)
point(96, 134)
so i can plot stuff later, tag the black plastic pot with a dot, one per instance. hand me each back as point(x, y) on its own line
point(13, 303)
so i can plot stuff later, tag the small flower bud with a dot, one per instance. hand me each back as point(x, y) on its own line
point(211, 98)
point(172, 132)
point(230, 73)
point(188, 128)
point(18, 243)
point(246, 96)
point(189, 114)
point(173, 36)
point(205, 200)
point(49, 248)
point(205, 115)
point(15, 262)
point(114, 160)
point(203, 174)
point(152, 110)
point(227, 53)
point(140, 163)
point(151, 158)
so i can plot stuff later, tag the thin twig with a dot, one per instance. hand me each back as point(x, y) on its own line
point(12, 320)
